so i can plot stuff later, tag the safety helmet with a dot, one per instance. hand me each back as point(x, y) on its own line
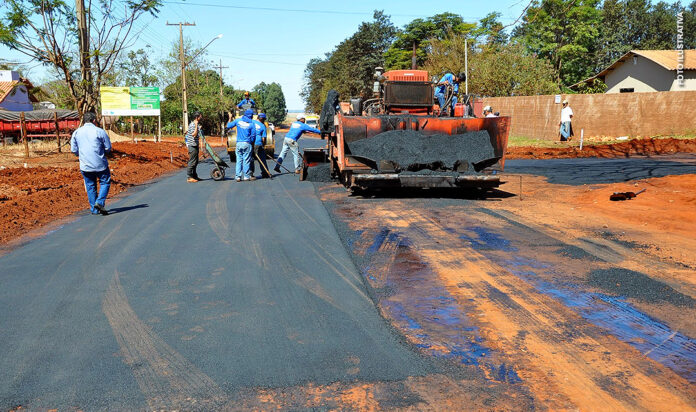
point(262, 115)
point(300, 116)
point(246, 94)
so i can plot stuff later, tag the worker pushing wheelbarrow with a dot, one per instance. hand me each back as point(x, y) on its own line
point(218, 172)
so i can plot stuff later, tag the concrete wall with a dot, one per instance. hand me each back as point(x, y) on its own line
point(613, 115)
point(640, 73)
point(689, 82)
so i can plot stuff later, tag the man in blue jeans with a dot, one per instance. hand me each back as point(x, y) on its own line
point(91, 144)
point(290, 143)
point(246, 135)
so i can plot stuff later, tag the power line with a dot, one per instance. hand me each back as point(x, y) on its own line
point(316, 11)
point(229, 6)
point(257, 60)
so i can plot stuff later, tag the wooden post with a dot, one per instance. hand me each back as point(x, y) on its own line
point(159, 128)
point(23, 130)
point(55, 119)
point(131, 122)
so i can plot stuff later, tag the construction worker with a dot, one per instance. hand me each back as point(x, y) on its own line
point(91, 145)
point(246, 101)
point(488, 112)
point(259, 152)
point(192, 138)
point(290, 143)
point(246, 135)
point(441, 89)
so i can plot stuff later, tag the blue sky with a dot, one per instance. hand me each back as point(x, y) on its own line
point(260, 44)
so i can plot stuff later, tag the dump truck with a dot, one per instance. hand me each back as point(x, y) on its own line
point(404, 108)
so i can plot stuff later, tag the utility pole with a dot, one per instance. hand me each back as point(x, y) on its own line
point(222, 127)
point(466, 66)
point(183, 68)
point(85, 64)
point(220, 67)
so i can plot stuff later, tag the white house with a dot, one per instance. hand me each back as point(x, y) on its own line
point(14, 92)
point(650, 71)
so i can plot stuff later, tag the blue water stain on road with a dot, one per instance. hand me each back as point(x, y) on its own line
point(486, 239)
point(651, 337)
point(426, 312)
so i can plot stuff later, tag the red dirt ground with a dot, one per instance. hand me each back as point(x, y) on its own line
point(636, 147)
point(32, 197)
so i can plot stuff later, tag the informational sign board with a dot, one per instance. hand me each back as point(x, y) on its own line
point(130, 101)
point(557, 99)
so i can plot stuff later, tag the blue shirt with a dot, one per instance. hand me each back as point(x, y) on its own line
point(245, 101)
point(260, 133)
point(91, 143)
point(297, 128)
point(246, 132)
point(449, 77)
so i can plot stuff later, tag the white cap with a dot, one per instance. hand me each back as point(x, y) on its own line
point(487, 109)
point(300, 116)
point(565, 101)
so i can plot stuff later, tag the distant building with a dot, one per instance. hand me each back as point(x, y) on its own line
point(649, 71)
point(14, 92)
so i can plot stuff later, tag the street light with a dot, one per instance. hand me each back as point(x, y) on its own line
point(183, 78)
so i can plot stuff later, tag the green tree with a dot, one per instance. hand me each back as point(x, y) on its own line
point(274, 104)
point(420, 32)
point(44, 30)
point(595, 86)
point(135, 69)
point(494, 70)
point(350, 67)
point(565, 32)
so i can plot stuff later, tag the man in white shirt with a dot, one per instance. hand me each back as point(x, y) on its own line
point(566, 126)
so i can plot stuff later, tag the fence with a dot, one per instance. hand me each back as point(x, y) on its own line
point(600, 115)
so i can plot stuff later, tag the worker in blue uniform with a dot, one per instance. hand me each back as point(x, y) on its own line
point(246, 135)
point(290, 143)
point(247, 100)
point(441, 88)
point(259, 153)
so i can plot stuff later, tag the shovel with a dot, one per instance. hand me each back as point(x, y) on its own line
point(625, 195)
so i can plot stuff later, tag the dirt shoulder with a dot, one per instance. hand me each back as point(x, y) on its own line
point(635, 147)
point(51, 187)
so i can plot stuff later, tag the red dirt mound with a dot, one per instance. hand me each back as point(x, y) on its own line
point(35, 196)
point(636, 147)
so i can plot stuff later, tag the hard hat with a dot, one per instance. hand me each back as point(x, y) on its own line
point(300, 116)
point(565, 101)
point(487, 109)
point(246, 93)
point(248, 112)
point(262, 115)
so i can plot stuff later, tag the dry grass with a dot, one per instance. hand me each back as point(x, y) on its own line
point(524, 141)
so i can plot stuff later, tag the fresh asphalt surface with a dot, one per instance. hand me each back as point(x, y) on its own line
point(190, 290)
point(202, 290)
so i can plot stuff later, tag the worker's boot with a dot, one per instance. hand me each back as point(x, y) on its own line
point(277, 166)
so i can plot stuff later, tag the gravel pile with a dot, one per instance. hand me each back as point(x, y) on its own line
point(636, 285)
point(319, 173)
point(414, 151)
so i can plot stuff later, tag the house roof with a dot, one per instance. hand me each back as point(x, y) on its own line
point(7, 87)
point(669, 59)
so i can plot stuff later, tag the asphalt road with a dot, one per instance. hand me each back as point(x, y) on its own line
point(597, 171)
point(188, 296)
point(185, 295)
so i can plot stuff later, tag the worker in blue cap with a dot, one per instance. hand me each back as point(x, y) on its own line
point(246, 135)
point(259, 153)
point(290, 143)
point(441, 89)
point(247, 101)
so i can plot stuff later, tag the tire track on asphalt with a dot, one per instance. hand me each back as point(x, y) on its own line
point(553, 335)
point(167, 380)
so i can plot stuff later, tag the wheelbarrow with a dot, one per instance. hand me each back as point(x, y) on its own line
point(218, 172)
